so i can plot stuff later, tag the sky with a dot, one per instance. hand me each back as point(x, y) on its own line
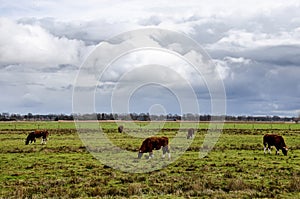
point(254, 45)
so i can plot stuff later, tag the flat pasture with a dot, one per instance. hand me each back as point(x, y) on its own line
point(63, 168)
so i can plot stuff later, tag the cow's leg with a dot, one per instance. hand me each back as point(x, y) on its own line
point(151, 155)
point(140, 154)
point(44, 140)
point(269, 149)
point(265, 149)
point(166, 150)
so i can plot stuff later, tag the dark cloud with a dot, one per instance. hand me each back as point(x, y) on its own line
point(283, 55)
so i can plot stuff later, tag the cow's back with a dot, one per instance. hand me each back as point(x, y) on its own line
point(273, 140)
point(267, 139)
point(164, 141)
point(280, 141)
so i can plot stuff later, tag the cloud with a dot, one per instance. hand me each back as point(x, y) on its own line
point(33, 45)
point(255, 46)
point(283, 55)
point(29, 100)
point(239, 40)
point(90, 32)
point(260, 87)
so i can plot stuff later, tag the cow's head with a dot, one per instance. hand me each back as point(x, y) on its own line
point(285, 150)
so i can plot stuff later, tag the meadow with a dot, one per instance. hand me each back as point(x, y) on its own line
point(63, 168)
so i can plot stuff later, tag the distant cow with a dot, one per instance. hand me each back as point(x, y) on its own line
point(274, 140)
point(120, 129)
point(190, 134)
point(37, 134)
point(155, 143)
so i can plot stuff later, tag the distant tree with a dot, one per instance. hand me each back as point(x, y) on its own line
point(297, 119)
point(276, 118)
point(29, 116)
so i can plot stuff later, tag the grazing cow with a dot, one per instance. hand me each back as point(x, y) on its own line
point(120, 129)
point(154, 143)
point(274, 140)
point(190, 134)
point(37, 134)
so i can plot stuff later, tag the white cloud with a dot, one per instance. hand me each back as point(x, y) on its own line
point(30, 44)
point(237, 60)
point(240, 40)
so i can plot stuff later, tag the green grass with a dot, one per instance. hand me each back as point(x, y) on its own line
point(235, 168)
point(58, 125)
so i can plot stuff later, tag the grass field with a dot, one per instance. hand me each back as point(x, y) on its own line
point(235, 168)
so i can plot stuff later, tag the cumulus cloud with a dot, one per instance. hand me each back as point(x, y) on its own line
point(33, 45)
point(255, 47)
point(91, 32)
point(239, 40)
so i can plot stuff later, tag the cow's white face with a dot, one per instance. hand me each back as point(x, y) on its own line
point(285, 150)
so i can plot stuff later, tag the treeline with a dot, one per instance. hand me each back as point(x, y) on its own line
point(140, 117)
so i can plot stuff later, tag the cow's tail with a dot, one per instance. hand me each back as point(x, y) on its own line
point(265, 140)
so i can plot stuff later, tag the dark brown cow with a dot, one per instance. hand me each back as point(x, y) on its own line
point(190, 134)
point(274, 140)
point(37, 134)
point(155, 143)
point(120, 129)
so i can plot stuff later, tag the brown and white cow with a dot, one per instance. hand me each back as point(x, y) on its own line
point(155, 143)
point(37, 134)
point(274, 140)
point(190, 134)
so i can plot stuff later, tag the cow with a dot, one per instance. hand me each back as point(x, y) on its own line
point(155, 143)
point(120, 129)
point(37, 134)
point(274, 140)
point(190, 134)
